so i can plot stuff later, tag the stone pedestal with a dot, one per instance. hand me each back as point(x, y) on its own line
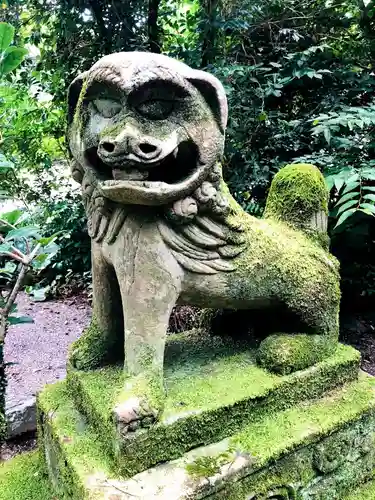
point(229, 430)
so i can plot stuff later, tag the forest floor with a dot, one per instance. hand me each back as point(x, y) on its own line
point(38, 351)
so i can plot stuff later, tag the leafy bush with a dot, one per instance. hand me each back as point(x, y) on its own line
point(69, 271)
point(299, 78)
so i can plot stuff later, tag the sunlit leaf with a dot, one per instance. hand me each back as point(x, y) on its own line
point(344, 216)
point(351, 186)
point(12, 217)
point(370, 197)
point(12, 59)
point(368, 206)
point(346, 197)
point(6, 36)
point(24, 232)
point(347, 205)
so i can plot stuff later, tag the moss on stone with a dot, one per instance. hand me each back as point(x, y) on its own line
point(213, 387)
point(333, 437)
point(363, 492)
point(317, 449)
point(25, 478)
point(297, 193)
point(94, 348)
point(285, 354)
point(74, 452)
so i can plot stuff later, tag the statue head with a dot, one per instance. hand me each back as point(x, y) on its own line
point(149, 128)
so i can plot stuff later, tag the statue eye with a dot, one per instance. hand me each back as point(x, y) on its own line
point(107, 107)
point(156, 109)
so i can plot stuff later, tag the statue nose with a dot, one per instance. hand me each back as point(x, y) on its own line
point(144, 150)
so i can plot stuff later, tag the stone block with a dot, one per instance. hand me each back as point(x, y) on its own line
point(214, 387)
point(315, 449)
point(21, 417)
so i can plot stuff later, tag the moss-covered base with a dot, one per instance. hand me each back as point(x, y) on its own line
point(214, 387)
point(25, 478)
point(318, 449)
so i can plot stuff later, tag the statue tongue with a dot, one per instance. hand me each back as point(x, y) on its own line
point(129, 175)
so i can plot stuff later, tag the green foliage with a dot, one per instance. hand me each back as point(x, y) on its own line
point(65, 216)
point(354, 193)
point(298, 75)
point(10, 56)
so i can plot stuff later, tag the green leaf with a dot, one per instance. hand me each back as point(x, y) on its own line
point(346, 197)
point(39, 294)
point(370, 197)
point(330, 181)
point(6, 36)
point(347, 205)
point(350, 186)
point(12, 217)
point(5, 248)
point(369, 206)
point(344, 216)
point(18, 320)
point(369, 174)
point(23, 232)
point(369, 188)
point(47, 240)
point(5, 164)
point(353, 178)
point(327, 135)
point(12, 60)
point(263, 116)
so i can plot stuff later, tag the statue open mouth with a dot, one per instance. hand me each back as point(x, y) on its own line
point(125, 179)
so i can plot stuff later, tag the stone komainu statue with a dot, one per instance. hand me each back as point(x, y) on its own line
point(146, 135)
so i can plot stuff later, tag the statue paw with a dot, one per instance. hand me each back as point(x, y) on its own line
point(286, 353)
point(139, 405)
point(94, 349)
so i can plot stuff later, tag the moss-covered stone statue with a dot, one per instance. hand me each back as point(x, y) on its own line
point(146, 134)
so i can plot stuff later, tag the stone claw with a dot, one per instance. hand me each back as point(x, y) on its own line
point(132, 414)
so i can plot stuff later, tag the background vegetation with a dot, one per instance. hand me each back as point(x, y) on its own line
point(300, 82)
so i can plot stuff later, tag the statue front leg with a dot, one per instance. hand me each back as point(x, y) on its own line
point(148, 303)
point(102, 342)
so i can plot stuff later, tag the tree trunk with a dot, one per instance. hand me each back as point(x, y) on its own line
point(97, 13)
point(152, 26)
point(210, 32)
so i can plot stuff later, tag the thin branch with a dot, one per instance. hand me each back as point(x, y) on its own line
point(6, 223)
point(14, 256)
point(4, 313)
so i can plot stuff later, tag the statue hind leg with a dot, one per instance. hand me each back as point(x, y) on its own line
point(287, 352)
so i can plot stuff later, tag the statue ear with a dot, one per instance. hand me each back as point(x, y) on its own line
point(213, 92)
point(74, 92)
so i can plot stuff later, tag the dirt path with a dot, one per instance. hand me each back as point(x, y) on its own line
point(39, 349)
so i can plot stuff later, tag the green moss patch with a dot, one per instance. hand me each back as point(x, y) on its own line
point(317, 449)
point(74, 453)
point(364, 492)
point(25, 478)
point(306, 422)
point(297, 192)
point(214, 387)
